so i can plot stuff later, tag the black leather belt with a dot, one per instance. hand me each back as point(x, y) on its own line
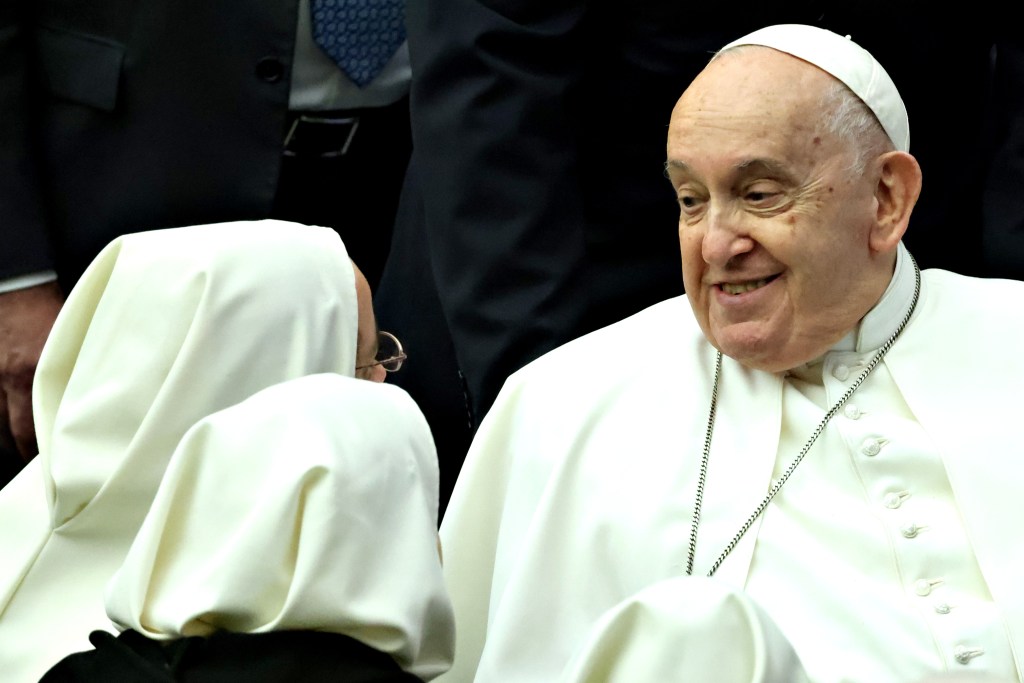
point(320, 135)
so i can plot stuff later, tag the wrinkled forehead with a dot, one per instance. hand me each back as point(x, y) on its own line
point(754, 77)
point(752, 111)
point(757, 89)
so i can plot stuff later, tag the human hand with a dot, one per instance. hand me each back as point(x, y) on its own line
point(26, 317)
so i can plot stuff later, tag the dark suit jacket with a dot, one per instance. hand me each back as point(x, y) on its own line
point(104, 103)
point(536, 209)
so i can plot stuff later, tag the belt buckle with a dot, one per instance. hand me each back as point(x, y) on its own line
point(333, 135)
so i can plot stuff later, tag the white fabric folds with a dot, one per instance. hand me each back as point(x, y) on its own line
point(686, 628)
point(163, 329)
point(311, 505)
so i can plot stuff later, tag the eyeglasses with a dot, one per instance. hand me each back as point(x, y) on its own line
point(390, 353)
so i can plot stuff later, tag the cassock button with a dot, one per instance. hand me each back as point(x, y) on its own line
point(841, 372)
point(924, 587)
point(963, 654)
point(943, 608)
point(852, 412)
point(870, 447)
point(910, 530)
point(895, 499)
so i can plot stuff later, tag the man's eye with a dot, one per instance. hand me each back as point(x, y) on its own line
point(763, 198)
point(689, 202)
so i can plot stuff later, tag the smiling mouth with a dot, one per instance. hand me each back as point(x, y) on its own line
point(735, 288)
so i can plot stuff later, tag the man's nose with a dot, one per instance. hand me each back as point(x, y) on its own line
point(725, 236)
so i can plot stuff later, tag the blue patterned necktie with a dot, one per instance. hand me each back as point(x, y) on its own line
point(360, 35)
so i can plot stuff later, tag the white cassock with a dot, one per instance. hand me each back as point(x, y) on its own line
point(311, 505)
point(163, 329)
point(891, 554)
point(685, 628)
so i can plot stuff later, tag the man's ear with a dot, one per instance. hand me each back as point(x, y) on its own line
point(899, 185)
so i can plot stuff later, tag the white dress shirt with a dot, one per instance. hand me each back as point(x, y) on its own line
point(318, 83)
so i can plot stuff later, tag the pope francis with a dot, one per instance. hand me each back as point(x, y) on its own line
point(823, 429)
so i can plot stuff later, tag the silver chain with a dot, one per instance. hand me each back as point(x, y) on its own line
point(807, 446)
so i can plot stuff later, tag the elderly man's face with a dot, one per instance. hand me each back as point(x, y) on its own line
point(773, 229)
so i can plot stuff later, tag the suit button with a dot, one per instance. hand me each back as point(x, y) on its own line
point(269, 69)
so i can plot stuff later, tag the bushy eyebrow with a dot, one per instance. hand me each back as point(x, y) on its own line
point(676, 164)
point(768, 168)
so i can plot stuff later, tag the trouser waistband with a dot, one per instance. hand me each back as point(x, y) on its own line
point(332, 133)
